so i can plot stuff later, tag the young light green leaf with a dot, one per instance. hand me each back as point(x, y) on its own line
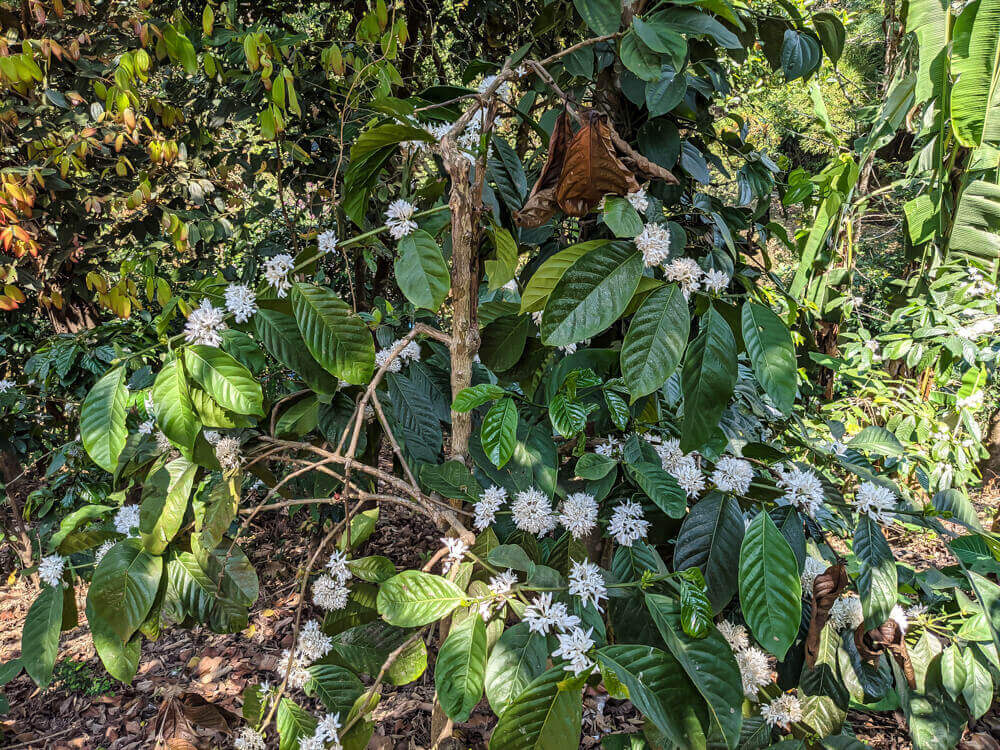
point(476, 395)
point(165, 495)
point(175, 412)
point(546, 714)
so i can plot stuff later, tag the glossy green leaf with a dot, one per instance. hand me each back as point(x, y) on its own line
point(592, 294)
point(421, 272)
point(120, 658)
point(770, 589)
point(124, 586)
point(293, 723)
point(707, 379)
point(335, 686)
point(660, 487)
point(102, 419)
point(175, 412)
point(659, 688)
point(281, 337)
point(413, 598)
point(710, 539)
point(877, 577)
point(336, 337)
point(655, 340)
point(226, 380)
point(165, 495)
point(40, 635)
point(602, 16)
point(498, 433)
point(708, 662)
point(548, 274)
point(545, 715)
point(461, 667)
point(772, 354)
point(621, 217)
point(517, 658)
point(476, 395)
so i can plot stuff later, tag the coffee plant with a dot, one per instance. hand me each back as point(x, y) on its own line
point(582, 373)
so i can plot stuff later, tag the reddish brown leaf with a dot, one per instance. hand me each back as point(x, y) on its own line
point(592, 169)
point(886, 637)
point(541, 203)
point(826, 588)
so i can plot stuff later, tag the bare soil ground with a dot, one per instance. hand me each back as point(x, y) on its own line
point(199, 676)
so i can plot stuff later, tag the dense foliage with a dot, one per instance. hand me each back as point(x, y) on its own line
point(547, 289)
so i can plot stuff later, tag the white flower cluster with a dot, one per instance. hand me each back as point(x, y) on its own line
point(502, 91)
point(628, 524)
point(846, 613)
point(755, 668)
point(205, 325)
point(249, 739)
point(543, 615)
point(573, 647)
point(681, 466)
point(147, 427)
point(716, 281)
point(410, 352)
point(456, 551)
point(898, 614)
point(241, 302)
point(399, 219)
point(532, 512)
point(6, 385)
point(127, 519)
point(212, 437)
point(686, 272)
point(973, 401)
point(313, 644)
point(654, 244)
point(327, 241)
point(488, 505)
point(876, 501)
point(50, 570)
point(812, 568)
point(802, 487)
point(579, 514)
point(733, 475)
point(103, 550)
point(227, 451)
point(639, 200)
point(610, 448)
point(276, 272)
point(974, 330)
point(782, 711)
point(500, 587)
point(979, 285)
point(587, 582)
point(326, 736)
point(162, 441)
point(330, 590)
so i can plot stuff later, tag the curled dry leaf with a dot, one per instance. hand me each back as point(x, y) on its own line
point(186, 720)
point(826, 589)
point(592, 169)
point(541, 203)
point(887, 637)
point(582, 168)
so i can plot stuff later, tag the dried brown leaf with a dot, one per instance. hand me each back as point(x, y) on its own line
point(826, 588)
point(541, 203)
point(592, 169)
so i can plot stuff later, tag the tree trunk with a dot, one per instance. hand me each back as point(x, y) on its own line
point(10, 470)
point(989, 467)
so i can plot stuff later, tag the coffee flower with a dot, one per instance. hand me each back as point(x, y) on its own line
point(573, 647)
point(399, 219)
point(579, 514)
point(733, 475)
point(50, 570)
point(532, 512)
point(488, 505)
point(654, 244)
point(241, 302)
point(876, 501)
point(627, 524)
point(205, 325)
point(543, 615)
point(587, 582)
point(276, 272)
